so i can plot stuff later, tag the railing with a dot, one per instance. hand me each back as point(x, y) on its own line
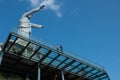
point(51, 45)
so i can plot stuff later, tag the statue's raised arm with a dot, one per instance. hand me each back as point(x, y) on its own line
point(29, 13)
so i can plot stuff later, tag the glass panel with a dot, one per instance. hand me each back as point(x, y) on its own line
point(96, 74)
point(82, 66)
point(75, 70)
point(55, 63)
point(99, 73)
point(21, 42)
point(65, 63)
point(68, 68)
point(82, 69)
point(30, 50)
point(62, 65)
point(68, 61)
point(105, 79)
point(52, 55)
point(47, 60)
point(36, 57)
point(94, 71)
point(88, 74)
point(43, 51)
point(9, 44)
point(61, 58)
point(27, 53)
point(13, 38)
point(39, 54)
point(75, 64)
point(78, 68)
point(91, 73)
point(18, 46)
point(82, 72)
point(88, 69)
point(103, 76)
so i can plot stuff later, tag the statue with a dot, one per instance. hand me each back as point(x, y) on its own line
point(60, 48)
point(25, 25)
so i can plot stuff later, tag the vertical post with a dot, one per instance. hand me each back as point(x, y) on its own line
point(39, 71)
point(27, 78)
point(1, 57)
point(60, 49)
point(63, 77)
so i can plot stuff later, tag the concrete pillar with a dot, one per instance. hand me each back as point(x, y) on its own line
point(62, 74)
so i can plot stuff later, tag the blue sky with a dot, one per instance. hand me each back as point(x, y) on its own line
point(89, 28)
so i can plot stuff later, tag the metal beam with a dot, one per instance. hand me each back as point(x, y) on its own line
point(7, 41)
point(103, 77)
point(68, 64)
point(97, 76)
point(75, 67)
point(35, 52)
point(81, 69)
point(93, 74)
point(52, 61)
point(88, 72)
point(85, 74)
point(61, 62)
point(45, 56)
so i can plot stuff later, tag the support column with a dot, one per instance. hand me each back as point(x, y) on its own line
point(63, 77)
point(39, 72)
point(1, 57)
point(27, 78)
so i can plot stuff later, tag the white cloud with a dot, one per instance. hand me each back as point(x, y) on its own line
point(34, 3)
point(50, 4)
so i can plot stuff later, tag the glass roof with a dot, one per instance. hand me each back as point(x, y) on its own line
point(40, 53)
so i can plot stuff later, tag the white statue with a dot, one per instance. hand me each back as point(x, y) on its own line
point(25, 25)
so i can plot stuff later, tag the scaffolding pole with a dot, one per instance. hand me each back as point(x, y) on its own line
point(63, 77)
point(39, 72)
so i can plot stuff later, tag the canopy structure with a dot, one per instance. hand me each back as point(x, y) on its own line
point(23, 56)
